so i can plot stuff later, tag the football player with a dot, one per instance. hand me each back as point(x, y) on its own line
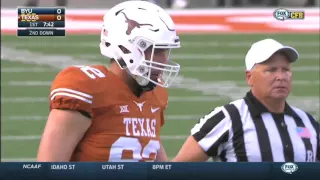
point(115, 114)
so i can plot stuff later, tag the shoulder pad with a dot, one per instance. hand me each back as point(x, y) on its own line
point(74, 88)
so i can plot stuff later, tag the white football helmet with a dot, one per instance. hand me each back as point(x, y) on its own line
point(136, 26)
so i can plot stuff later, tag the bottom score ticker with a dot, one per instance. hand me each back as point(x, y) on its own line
point(41, 32)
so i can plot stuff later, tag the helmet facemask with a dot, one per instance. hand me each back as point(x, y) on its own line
point(159, 72)
point(148, 70)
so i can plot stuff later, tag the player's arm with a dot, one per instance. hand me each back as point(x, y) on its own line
point(318, 142)
point(318, 149)
point(162, 155)
point(63, 131)
point(69, 118)
point(207, 138)
point(316, 126)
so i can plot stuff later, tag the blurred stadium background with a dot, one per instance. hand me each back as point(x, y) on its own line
point(212, 70)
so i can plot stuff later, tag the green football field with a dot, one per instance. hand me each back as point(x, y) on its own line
point(212, 74)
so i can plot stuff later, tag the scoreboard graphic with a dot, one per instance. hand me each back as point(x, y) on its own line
point(41, 21)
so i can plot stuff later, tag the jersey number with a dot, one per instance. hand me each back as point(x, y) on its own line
point(133, 145)
point(92, 72)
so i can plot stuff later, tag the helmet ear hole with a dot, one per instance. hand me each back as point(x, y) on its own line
point(107, 44)
point(124, 50)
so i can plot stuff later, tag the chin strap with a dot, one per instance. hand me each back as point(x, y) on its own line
point(149, 87)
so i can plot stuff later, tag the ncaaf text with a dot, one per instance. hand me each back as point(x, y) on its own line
point(31, 166)
point(284, 14)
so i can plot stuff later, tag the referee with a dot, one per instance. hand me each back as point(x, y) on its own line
point(262, 126)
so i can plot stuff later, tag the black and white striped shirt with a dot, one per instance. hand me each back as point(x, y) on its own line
point(245, 131)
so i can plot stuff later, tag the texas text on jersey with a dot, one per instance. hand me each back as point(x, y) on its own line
point(124, 127)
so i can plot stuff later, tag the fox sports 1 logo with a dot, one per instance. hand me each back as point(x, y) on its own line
point(281, 14)
point(289, 168)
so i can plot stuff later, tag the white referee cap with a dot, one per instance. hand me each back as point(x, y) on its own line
point(264, 49)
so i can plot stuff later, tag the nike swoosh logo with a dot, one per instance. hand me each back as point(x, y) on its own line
point(153, 110)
